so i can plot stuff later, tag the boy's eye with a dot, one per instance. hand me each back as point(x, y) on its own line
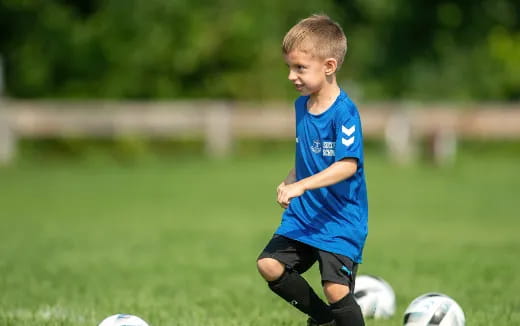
point(297, 67)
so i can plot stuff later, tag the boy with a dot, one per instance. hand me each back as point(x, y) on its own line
point(324, 195)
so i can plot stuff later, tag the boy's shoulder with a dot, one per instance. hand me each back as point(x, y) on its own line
point(345, 105)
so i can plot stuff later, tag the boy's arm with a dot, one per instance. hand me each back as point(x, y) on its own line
point(291, 178)
point(338, 171)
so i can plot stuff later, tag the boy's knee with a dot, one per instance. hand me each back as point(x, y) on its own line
point(270, 268)
point(335, 292)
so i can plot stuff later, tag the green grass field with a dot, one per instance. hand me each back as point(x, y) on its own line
point(175, 242)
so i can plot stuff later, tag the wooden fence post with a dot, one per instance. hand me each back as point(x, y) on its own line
point(7, 140)
point(218, 136)
point(399, 138)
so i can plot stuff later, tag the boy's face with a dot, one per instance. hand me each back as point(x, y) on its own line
point(306, 72)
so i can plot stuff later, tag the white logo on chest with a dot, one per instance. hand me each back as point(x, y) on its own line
point(316, 146)
point(326, 148)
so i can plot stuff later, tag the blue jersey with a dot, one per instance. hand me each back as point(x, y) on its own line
point(332, 218)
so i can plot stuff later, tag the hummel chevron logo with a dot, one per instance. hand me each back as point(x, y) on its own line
point(348, 131)
point(347, 142)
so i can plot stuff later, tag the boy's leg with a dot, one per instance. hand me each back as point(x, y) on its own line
point(346, 311)
point(293, 258)
point(338, 274)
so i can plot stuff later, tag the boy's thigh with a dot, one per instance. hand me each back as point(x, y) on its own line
point(337, 268)
point(293, 254)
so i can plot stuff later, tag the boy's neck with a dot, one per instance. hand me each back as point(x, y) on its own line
point(321, 101)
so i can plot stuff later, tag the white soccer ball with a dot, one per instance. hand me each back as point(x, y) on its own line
point(123, 320)
point(434, 309)
point(375, 297)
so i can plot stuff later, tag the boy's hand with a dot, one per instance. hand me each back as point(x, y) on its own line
point(287, 192)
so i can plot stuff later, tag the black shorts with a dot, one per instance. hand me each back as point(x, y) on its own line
point(300, 257)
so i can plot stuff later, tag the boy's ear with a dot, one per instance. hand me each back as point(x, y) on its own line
point(331, 65)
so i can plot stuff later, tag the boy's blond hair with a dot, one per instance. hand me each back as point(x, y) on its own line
point(319, 36)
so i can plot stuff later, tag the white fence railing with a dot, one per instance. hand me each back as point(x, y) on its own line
point(220, 122)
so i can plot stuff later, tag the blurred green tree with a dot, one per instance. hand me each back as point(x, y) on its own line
point(424, 49)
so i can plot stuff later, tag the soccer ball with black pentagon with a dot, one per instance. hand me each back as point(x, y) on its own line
point(434, 309)
point(375, 297)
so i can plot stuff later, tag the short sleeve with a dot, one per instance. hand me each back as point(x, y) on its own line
point(349, 139)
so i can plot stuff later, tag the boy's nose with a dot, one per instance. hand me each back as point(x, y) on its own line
point(292, 76)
